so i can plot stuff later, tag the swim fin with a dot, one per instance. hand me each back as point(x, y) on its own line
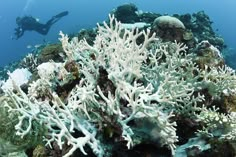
point(57, 17)
point(64, 13)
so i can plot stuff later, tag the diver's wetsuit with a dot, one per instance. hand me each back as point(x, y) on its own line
point(28, 23)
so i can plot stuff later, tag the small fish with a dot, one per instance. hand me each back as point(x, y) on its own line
point(29, 46)
point(37, 46)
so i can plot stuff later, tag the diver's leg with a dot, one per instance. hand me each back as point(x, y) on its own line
point(43, 29)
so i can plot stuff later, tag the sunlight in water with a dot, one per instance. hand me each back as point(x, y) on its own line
point(27, 5)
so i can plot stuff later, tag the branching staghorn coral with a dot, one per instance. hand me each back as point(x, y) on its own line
point(218, 125)
point(172, 73)
point(219, 80)
point(9, 141)
point(51, 115)
point(139, 105)
point(122, 58)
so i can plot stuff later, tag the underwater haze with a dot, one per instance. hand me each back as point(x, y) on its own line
point(86, 13)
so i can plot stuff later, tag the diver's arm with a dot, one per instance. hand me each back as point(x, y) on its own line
point(19, 32)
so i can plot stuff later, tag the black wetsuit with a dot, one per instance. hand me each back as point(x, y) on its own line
point(28, 23)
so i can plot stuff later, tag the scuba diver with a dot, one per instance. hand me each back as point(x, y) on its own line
point(29, 23)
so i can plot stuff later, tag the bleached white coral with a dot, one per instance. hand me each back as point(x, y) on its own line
point(219, 80)
point(48, 70)
point(121, 56)
point(121, 82)
point(171, 71)
point(40, 89)
point(139, 105)
point(218, 125)
point(118, 53)
point(59, 120)
point(19, 76)
point(135, 25)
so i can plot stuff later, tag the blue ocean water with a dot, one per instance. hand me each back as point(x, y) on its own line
point(86, 13)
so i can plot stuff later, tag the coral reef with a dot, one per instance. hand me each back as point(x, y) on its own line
point(124, 91)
